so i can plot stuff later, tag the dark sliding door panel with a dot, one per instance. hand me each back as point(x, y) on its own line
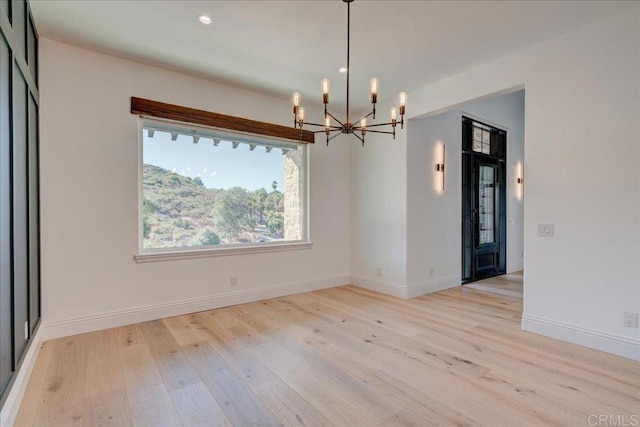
point(20, 214)
point(6, 341)
point(19, 189)
point(34, 218)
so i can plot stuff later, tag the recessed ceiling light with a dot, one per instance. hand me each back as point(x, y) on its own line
point(204, 18)
point(343, 70)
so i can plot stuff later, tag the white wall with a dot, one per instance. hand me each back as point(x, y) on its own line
point(433, 216)
point(378, 213)
point(582, 138)
point(89, 190)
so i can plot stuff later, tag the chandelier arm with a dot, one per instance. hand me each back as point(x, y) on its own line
point(359, 137)
point(379, 124)
point(334, 118)
point(376, 131)
point(324, 128)
point(333, 136)
point(362, 118)
point(316, 124)
point(334, 129)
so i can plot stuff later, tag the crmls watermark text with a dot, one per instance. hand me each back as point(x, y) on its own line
point(614, 420)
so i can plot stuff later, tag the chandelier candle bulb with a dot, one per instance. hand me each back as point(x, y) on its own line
point(295, 98)
point(301, 116)
point(363, 126)
point(403, 102)
point(374, 90)
point(325, 91)
point(394, 116)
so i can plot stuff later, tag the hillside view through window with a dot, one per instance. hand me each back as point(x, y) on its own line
point(202, 188)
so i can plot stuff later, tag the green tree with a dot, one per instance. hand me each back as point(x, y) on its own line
point(260, 202)
point(198, 181)
point(182, 223)
point(275, 202)
point(232, 212)
point(146, 227)
point(275, 222)
point(148, 210)
point(206, 237)
point(148, 207)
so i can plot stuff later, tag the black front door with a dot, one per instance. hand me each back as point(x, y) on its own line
point(484, 201)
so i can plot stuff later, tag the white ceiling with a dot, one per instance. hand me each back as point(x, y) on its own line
point(278, 47)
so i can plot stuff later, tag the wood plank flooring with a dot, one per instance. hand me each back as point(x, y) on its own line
point(343, 356)
point(510, 285)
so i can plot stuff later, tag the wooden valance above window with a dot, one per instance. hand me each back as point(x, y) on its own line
point(161, 110)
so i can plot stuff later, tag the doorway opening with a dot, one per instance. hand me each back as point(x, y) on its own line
point(484, 221)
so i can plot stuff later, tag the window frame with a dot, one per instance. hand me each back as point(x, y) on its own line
point(163, 254)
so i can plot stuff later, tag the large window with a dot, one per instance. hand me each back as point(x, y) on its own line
point(202, 188)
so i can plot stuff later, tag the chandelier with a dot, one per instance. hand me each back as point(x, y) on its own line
point(332, 126)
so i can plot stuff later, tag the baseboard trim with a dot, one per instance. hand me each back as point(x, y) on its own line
point(387, 288)
point(609, 343)
point(406, 292)
point(432, 286)
point(62, 328)
point(14, 399)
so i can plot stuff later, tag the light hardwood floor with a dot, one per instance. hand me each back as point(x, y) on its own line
point(343, 356)
point(510, 285)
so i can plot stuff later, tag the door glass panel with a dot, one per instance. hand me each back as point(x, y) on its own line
point(20, 204)
point(6, 344)
point(19, 21)
point(34, 223)
point(32, 47)
point(487, 203)
point(477, 139)
point(486, 137)
point(486, 142)
point(481, 140)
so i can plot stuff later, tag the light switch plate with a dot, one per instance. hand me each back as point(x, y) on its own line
point(546, 230)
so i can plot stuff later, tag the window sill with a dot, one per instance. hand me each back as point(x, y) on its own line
point(205, 253)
